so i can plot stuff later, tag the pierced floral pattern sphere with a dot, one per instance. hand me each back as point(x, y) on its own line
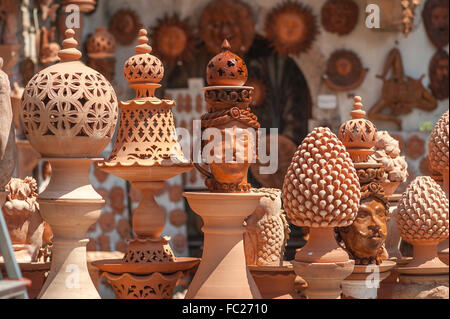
point(101, 44)
point(321, 187)
point(423, 212)
point(69, 109)
point(438, 145)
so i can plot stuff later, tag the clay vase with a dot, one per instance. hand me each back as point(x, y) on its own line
point(222, 273)
point(314, 195)
point(423, 222)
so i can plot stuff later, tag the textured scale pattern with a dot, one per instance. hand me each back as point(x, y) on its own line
point(272, 240)
point(321, 187)
point(423, 211)
point(438, 145)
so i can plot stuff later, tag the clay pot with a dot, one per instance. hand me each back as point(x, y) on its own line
point(69, 109)
point(101, 44)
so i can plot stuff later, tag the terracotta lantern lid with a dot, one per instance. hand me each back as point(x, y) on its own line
point(143, 71)
point(423, 212)
point(358, 135)
point(101, 44)
point(226, 68)
point(438, 145)
point(69, 109)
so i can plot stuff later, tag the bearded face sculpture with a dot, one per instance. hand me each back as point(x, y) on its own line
point(435, 17)
point(364, 239)
point(438, 71)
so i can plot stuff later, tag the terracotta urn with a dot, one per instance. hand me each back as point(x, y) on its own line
point(69, 114)
point(423, 222)
point(321, 191)
point(229, 112)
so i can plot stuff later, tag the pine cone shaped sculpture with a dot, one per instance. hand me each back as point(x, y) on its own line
point(423, 212)
point(321, 187)
point(438, 145)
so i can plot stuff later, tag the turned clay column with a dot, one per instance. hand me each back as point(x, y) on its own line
point(321, 191)
point(69, 113)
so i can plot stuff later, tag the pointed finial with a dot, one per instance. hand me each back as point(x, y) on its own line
point(226, 45)
point(357, 112)
point(143, 46)
point(70, 51)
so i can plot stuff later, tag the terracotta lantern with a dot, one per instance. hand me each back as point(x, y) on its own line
point(69, 114)
point(101, 47)
point(321, 191)
point(423, 222)
point(222, 273)
point(228, 111)
point(146, 153)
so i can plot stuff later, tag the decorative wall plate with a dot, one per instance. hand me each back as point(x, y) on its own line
point(344, 71)
point(125, 25)
point(340, 16)
point(173, 39)
point(435, 17)
point(227, 19)
point(438, 73)
point(291, 28)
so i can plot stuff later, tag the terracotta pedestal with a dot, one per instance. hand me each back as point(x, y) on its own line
point(70, 205)
point(223, 273)
point(275, 282)
point(364, 282)
point(387, 285)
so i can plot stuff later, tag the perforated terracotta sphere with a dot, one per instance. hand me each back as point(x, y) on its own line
point(438, 145)
point(101, 44)
point(321, 187)
point(143, 67)
point(69, 109)
point(226, 68)
point(358, 135)
point(422, 213)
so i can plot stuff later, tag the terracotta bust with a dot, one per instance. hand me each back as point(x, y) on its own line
point(26, 228)
point(364, 238)
point(267, 230)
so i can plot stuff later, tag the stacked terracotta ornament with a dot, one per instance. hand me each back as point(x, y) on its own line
point(146, 153)
point(423, 222)
point(438, 153)
point(321, 191)
point(364, 239)
point(223, 273)
point(101, 47)
point(69, 114)
point(265, 238)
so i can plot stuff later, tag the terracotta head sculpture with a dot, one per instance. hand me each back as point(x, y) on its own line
point(25, 225)
point(267, 230)
point(438, 73)
point(364, 238)
point(435, 17)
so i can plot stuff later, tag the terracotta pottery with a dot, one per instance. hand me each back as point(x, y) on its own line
point(400, 93)
point(7, 136)
point(9, 11)
point(86, 6)
point(49, 49)
point(48, 9)
point(291, 27)
point(276, 281)
point(81, 123)
point(125, 25)
point(10, 54)
point(321, 191)
point(267, 230)
point(364, 282)
point(228, 110)
point(222, 273)
point(345, 71)
point(423, 222)
point(227, 19)
point(340, 16)
point(435, 17)
point(101, 44)
point(421, 287)
point(393, 236)
point(438, 149)
point(438, 72)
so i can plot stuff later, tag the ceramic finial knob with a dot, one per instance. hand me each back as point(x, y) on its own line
point(226, 45)
point(70, 51)
point(357, 112)
point(143, 46)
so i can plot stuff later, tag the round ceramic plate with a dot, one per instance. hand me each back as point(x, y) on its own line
point(423, 271)
point(116, 266)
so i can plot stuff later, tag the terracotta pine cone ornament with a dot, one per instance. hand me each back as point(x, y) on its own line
point(438, 148)
point(423, 220)
point(226, 68)
point(69, 109)
point(321, 188)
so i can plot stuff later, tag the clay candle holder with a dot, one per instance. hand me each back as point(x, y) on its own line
point(101, 47)
point(228, 105)
point(69, 114)
point(438, 150)
point(146, 153)
point(321, 191)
